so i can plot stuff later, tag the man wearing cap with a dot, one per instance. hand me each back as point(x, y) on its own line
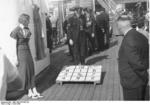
point(73, 34)
point(49, 32)
point(90, 30)
point(82, 37)
point(133, 61)
point(101, 28)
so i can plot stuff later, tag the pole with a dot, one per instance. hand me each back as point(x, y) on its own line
point(93, 6)
point(147, 5)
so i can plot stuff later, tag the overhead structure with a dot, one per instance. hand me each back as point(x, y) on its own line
point(109, 5)
point(128, 1)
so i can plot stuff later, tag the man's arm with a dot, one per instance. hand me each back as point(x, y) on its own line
point(133, 56)
point(93, 25)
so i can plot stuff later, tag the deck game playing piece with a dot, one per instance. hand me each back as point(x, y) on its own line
point(96, 69)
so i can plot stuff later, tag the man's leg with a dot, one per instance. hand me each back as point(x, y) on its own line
point(134, 94)
point(90, 47)
point(76, 53)
point(71, 52)
point(83, 52)
point(98, 34)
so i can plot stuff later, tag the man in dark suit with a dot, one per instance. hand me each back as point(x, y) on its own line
point(73, 34)
point(66, 31)
point(82, 37)
point(102, 20)
point(133, 61)
point(49, 32)
point(90, 31)
point(106, 28)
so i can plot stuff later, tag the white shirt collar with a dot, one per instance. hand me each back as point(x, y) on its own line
point(21, 26)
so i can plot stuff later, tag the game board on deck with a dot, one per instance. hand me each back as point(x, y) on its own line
point(80, 73)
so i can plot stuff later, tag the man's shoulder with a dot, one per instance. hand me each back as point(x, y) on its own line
point(131, 34)
point(134, 36)
point(134, 33)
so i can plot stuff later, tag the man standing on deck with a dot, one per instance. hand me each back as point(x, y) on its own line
point(133, 61)
point(73, 34)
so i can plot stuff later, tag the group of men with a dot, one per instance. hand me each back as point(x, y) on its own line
point(86, 33)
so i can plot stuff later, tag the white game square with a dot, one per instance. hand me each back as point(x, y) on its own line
point(85, 67)
point(80, 74)
point(84, 70)
point(64, 78)
point(76, 78)
point(89, 74)
point(92, 69)
point(93, 78)
point(77, 70)
point(65, 74)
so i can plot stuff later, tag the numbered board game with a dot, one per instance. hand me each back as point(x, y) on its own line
point(80, 73)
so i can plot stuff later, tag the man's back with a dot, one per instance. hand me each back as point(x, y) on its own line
point(134, 60)
point(102, 19)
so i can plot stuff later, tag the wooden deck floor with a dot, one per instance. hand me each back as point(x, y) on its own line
point(109, 89)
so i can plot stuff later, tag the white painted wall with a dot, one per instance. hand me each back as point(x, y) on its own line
point(9, 13)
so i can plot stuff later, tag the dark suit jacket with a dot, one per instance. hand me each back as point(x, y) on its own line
point(73, 28)
point(91, 29)
point(102, 20)
point(134, 60)
point(48, 26)
point(65, 26)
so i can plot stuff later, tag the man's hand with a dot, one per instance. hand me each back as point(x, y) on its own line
point(71, 42)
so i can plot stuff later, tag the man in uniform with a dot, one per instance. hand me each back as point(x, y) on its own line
point(106, 28)
point(66, 31)
point(49, 32)
point(82, 37)
point(73, 34)
point(90, 31)
point(101, 27)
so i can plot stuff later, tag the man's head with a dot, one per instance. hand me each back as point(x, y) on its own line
point(77, 12)
point(48, 15)
point(124, 23)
